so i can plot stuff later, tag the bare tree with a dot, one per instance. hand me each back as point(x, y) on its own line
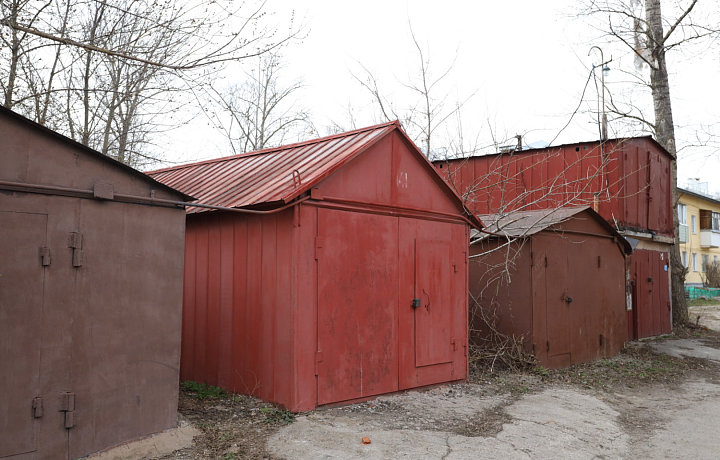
point(642, 28)
point(262, 111)
point(108, 72)
point(431, 110)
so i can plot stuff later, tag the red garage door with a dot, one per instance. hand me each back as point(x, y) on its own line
point(388, 304)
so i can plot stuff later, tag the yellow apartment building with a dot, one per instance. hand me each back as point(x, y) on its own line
point(699, 216)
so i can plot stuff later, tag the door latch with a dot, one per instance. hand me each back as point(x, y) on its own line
point(416, 303)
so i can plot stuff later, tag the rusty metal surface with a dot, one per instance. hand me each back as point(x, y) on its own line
point(651, 315)
point(271, 175)
point(100, 312)
point(632, 187)
point(566, 296)
point(313, 305)
point(527, 223)
point(357, 305)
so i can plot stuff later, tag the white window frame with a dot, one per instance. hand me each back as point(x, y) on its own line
point(704, 262)
point(694, 261)
point(715, 260)
point(693, 224)
point(685, 260)
point(715, 224)
point(682, 214)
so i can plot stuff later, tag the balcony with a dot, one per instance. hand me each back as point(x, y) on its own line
point(709, 238)
point(684, 233)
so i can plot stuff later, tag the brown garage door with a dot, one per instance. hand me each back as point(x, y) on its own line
point(21, 295)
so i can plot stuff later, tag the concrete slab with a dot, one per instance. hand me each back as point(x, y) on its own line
point(153, 446)
point(681, 348)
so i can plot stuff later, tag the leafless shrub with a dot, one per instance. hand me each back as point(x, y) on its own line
point(491, 349)
point(711, 275)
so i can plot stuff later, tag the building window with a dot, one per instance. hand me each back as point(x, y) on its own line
point(705, 262)
point(694, 261)
point(715, 260)
point(693, 224)
point(684, 258)
point(716, 221)
point(682, 214)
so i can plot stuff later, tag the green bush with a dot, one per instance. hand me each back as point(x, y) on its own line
point(202, 391)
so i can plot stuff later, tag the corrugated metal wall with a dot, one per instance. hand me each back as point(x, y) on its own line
point(315, 304)
point(238, 308)
point(633, 187)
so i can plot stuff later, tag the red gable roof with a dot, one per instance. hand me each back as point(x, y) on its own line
point(281, 174)
point(277, 174)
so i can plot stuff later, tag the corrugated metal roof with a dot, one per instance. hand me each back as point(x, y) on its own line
point(526, 223)
point(271, 175)
point(521, 224)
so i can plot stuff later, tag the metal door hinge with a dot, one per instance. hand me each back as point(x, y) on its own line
point(67, 405)
point(45, 258)
point(453, 344)
point(75, 242)
point(318, 360)
point(37, 407)
point(318, 246)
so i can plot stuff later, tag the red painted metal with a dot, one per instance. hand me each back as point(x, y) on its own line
point(563, 318)
point(630, 190)
point(632, 186)
point(313, 305)
point(91, 298)
point(651, 313)
point(357, 305)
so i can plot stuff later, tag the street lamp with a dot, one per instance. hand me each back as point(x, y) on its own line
point(605, 73)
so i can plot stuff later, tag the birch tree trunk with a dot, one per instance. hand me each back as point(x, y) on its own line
point(665, 133)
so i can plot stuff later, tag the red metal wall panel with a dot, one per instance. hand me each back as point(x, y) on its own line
point(651, 314)
point(237, 328)
point(570, 175)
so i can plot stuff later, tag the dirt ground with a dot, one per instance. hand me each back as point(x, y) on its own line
point(707, 315)
point(632, 406)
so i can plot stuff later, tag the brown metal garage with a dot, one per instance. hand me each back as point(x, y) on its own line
point(90, 297)
point(556, 279)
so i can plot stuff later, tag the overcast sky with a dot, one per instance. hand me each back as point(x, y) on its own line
point(523, 64)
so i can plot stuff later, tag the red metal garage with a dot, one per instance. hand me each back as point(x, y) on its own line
point(627, 181)
point(351, 281)
point(90, 297)
point(556, 278)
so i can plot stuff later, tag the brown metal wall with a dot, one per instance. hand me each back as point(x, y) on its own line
point(549, 269)
point(633, 187)
point(101, 320)
point(313, 305)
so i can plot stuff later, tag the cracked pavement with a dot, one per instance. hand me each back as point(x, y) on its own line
point(658, 422)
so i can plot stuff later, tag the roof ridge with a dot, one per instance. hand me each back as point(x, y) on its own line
point(278, 148)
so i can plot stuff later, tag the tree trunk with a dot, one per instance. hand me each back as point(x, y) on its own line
point(665, 133)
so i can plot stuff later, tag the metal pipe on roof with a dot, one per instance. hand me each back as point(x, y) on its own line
point(122, 197)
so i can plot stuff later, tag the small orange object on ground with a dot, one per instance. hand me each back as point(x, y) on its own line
point(366, 440)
